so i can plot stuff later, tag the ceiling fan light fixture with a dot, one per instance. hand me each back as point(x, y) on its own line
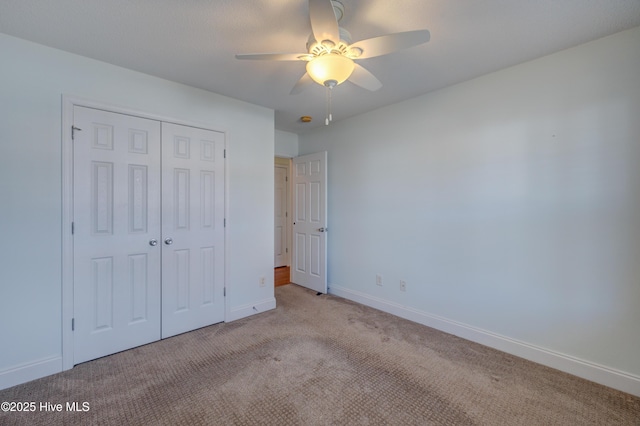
point(330, 67)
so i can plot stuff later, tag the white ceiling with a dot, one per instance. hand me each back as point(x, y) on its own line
point(194, 42)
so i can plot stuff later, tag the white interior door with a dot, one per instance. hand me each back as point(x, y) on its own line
point(116, 216)
point(309, 266)
point(280, 216)
point(192, 228)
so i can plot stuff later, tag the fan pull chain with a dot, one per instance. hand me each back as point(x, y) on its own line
point(326, 102)
point(328, 105)
point(330, 93)
point(329, 84)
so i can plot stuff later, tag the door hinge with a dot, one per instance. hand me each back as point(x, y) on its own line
point(73, 227)
point(286, 250)
point(73, 324)
point(225, 223)
point(73, 132)
point(286, 178)
point(224, 153)
point(224, 291)
point(286, 214)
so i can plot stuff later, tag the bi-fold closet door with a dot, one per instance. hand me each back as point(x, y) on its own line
point(148, 230)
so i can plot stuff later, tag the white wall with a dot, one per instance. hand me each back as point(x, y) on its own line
point(510, 204)
point(286, 144)
point(33, 79)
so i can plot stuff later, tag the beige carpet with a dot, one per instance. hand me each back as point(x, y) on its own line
point(319, 360)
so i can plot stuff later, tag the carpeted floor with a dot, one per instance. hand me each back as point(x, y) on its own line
point(319, 360)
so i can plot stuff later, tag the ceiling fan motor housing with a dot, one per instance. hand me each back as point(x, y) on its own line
point(322, 47)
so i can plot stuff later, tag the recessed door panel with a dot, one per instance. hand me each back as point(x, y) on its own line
point(181, 203)
point(315, 215)
point(301, 202)
point(102, 135)
point(182, 147)
point(278, 243)
point(208, 150)
point(138, 199)
point(102, 294)
point(315, 261)
point(315, 167)
point(208, 199)
point(139, 285)
point(182, 285)
point(138, 141)
point(208, 263)
point(301, 253)
point(102, 198)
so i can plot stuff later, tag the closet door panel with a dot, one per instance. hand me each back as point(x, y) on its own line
point(116, 218)
point(193, 228)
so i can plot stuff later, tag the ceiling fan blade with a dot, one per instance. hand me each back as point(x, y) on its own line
point(382, 45)
point(274, 56)
point(324, 23)
point(302, 84)
point(363, 78)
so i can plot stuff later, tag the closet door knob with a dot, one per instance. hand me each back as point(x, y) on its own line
point(153, 242)
point(168, 241)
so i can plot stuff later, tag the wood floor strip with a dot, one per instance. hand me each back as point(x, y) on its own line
point(282, 276)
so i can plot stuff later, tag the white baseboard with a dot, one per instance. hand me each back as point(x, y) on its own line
point(44, 367)
point(240, 312)
point(601, 374)
point(30, 371)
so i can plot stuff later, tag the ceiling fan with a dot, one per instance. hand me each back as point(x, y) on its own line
point(330, 54)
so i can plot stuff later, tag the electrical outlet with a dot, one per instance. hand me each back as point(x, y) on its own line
point(403, 285)
point(379, 280)
point(262, 281)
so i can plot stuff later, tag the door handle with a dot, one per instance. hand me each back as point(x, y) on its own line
point(168, 241)
point(153, 242)
point(322, 230)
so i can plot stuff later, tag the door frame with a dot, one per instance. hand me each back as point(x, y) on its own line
point(68, 102)
point(280, 162)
